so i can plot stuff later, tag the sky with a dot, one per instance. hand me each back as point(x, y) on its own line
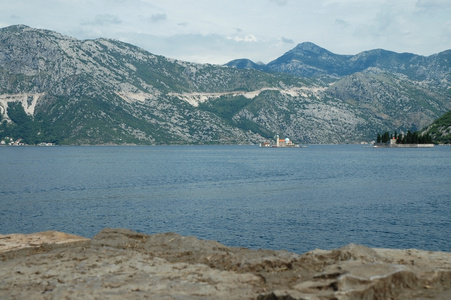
point(218, 31)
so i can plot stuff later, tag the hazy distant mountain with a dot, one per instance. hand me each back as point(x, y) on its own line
point(57, 88)
point(391, 85)
point(246, 64)
point(310, 60)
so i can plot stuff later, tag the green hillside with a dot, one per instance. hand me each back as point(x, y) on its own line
point(440, 130)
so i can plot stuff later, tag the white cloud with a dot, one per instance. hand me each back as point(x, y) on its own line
point(434, 4)
point(279, 2)
point(287, 41)
point(102, 20)
point(250, 38)
point(221, 30)
point(341, 23)
point(158, 17)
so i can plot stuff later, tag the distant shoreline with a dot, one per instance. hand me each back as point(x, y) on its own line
point(380, 145)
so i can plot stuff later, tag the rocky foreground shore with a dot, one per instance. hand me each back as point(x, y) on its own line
point(122, 264)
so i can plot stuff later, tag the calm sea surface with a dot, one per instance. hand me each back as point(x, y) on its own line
point(294, 199)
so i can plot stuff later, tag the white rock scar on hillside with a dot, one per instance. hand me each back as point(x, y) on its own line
point(196, 98)
point(28, 101)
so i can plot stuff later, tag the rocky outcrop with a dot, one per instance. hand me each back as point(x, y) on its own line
point(123, 264)
point(12, 242)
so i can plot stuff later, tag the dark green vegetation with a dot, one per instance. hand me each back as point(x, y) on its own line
point(25, 127)
point(108, 92)
point(440, 130)
point(409, 138)
point(226, 107)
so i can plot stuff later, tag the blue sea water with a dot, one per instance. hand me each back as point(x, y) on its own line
point(296, 199)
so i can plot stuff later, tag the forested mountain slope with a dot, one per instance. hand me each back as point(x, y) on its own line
point(440, 130)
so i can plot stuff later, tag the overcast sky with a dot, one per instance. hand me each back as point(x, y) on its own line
point(217, 31)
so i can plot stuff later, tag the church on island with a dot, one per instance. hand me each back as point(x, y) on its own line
point(280, 143)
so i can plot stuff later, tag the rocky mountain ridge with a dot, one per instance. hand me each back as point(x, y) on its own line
point(310, 60)
point(108, 92)
point(383, 81)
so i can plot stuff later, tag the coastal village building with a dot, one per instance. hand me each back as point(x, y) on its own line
point(392, 143)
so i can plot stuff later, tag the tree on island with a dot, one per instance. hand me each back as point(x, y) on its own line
point(410, 138)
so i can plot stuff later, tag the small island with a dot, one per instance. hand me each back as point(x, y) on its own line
point(279, 143)
point(409, 140)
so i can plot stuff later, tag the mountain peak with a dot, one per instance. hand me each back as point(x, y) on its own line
point(309, 46)
point(245, 63)
point(24, 29)
point(19, 27)
point(310, 50)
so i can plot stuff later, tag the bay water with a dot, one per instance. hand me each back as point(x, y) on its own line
point(296, 199)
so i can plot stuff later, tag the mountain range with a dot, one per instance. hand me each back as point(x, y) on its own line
point(55, 88)
point(310, 60)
